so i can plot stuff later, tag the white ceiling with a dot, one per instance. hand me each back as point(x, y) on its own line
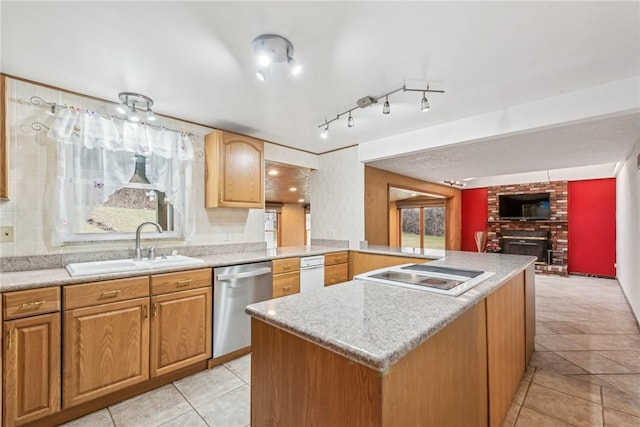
point(195, 60)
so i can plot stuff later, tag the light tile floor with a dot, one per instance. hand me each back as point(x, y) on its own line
point(585, 371)
point(216, 397)
point(586, 367)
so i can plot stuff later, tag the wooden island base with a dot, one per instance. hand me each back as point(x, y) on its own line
point(464, 375)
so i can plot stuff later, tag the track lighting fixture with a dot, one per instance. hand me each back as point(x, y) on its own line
point(454, 183)
point(135, 107)
point(273, 49)
point(386, 108)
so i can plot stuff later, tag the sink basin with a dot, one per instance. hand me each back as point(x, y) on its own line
point(123, 265)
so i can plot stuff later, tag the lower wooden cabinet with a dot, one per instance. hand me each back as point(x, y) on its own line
point(286, 276)
point(31, 377)
point(106, 348)
point(336, 268)
point(180, 329)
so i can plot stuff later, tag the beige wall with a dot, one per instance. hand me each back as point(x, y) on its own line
point(337, 197)
point(292, 223)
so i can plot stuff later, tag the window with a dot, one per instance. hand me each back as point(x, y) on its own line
point(272, 227)
point(113, 175)
point(136, 202)
point(422, 226)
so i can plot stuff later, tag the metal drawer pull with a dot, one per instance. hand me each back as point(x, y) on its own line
point(34, 304)
point(286, 288)
point(10, 337)
point(145, 311)
point(154, 309)
point(110, 294)
point(183, 283)
point(286, 267)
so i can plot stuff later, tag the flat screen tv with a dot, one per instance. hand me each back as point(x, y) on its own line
point(524, 207)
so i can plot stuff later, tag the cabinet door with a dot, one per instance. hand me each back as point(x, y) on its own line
point(286, 284)
point(334, 274)
point(234, 171)
point(106, 348)
point(180, 330)
point(31, 377)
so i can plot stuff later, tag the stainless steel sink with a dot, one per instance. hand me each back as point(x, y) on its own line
point(123, 265)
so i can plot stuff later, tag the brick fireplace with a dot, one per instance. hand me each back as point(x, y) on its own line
point(533, 237)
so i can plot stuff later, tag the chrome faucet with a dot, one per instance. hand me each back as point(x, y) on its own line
point(138, 253)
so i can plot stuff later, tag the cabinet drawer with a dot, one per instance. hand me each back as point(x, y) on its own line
point(86, 295)
point(336, 274)
point(286, 284)
point(336, 258)
point(31, 302)
point(286, 265)
point(180, 281)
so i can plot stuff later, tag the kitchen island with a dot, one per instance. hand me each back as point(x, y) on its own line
point(362, 353)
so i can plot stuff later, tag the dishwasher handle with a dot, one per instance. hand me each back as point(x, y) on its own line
point(244, 274)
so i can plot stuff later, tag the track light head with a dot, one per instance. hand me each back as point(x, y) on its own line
point(350, 121)
point(325, 132)
point(386, 109)
point(424, 103)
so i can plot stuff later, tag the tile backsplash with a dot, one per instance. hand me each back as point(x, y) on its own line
point(32, 183)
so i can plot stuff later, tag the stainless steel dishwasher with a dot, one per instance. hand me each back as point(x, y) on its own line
point(234, 288)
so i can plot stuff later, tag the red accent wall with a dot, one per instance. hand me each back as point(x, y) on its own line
point(474, 216)
point(592, 226)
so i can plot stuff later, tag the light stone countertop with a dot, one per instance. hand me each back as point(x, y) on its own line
point(375, 324)
point(40, 278)
point(29, 279)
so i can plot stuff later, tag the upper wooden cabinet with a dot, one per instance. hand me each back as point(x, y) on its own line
point(234, 174)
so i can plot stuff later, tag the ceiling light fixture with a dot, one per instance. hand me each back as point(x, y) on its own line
point(455, 183)
point(350, 121)
point(273, 172)
point(325, 132)
point(132, 105)
point(292, 189)
point(371, 100)
point(273, 49)
point(424, 103)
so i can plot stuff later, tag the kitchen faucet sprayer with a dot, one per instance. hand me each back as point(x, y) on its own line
point(138, 253)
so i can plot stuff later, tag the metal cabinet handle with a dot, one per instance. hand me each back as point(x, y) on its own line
point(145, 311)
point(286, 267)
point(110, 294)
point(183, 283)
point(154, 309)
point(35, 304)
point(243, 275)
point(286, 288)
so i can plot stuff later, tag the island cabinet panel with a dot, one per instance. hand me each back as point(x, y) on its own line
point(297, 383)
point(505, 345)
point(442, 382)
point(31, 378)
point(362, 262)
point(530, 312)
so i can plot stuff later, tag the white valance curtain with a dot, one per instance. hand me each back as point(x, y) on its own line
point(97, 156)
